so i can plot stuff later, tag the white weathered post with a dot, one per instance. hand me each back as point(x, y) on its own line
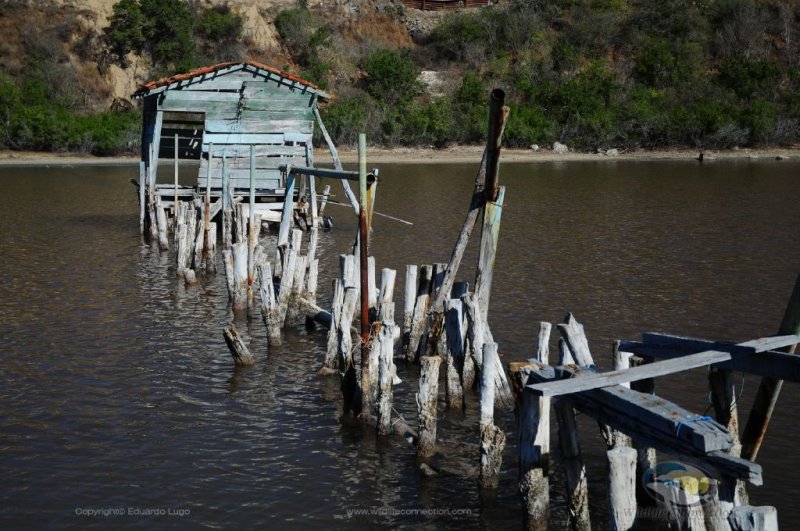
point(408, 306)
point(239, 295)
point(427, 399)
point(142, 200)
point(269, 304)
point(533, 433)
point(386, 296)
point(385, 377)
point(161, 217)
point(287, 276)
point(493, 440)
point(621, 488)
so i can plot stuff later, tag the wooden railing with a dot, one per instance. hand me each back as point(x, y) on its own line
point(438, 5)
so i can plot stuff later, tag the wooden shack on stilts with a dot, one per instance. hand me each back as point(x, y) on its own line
point(242, 121)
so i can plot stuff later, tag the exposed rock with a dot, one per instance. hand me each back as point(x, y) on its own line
point(613, 152)
point(535, 147)
point(560, 148)
point(427, 471)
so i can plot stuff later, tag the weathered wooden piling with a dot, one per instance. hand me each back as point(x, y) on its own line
point(493, 440)
point(454, 392)
point(427, 399)
point(269, 304)
point(288, 275)
point(418, 320)
point(478, 335)
point(386, 295)
point(161, 218)
point(239, 351)
point(385, 378)
point(621, 492)
point(408, 307)
point(490, 235)
point(574, 469)
point(533, 434)
point(236, 273)
point(498, 114)
point(142, 200)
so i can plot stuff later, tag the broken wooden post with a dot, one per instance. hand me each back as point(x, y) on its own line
point(454, 393)
point(241, 355)
point(425, 282)
point(492, 213)
point(161, 218)
point(386, 295)
point(287, 275)
point(479, 334)
point(385, 377)
point(269, 304)
point(408, 307)
point(493, 440)
point(615, 438)
point(298, 286)
point(621, 488)
point(142, 189)
point(236, 273)
point(716, 510)
point(770, 388)
point(646, 459)
point(427, 399)
point(498, 115)
point(724, 400)
point(287, 211)
point(574, 469)
point(748, 518)
point(533, 434)
point(323, 203)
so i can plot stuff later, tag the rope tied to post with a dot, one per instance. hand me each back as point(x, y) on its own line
point(683, 422)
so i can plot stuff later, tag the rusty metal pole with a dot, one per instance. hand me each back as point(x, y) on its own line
point(770, 388)
point(496, 124)
point(363, 231)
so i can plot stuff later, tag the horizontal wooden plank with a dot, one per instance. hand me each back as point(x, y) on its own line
point(182, 96)
point(279, 112)
point(255, 138)
point(234, 151)
point(261, 184)
point(645, 415)
point(779, 365)
point(597, 380)
point(271, 163)
point(259, 126)
point(285, 89)
point(260, 104)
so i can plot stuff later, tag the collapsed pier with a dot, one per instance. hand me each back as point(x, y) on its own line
point(444, 327)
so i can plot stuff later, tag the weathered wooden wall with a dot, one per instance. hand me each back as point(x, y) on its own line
point(241, 108)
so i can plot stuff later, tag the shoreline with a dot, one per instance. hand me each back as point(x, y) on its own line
point(452, 155)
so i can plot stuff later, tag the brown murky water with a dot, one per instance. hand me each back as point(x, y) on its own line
point(118, 394)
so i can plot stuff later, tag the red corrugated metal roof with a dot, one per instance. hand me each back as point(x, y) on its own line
point(213, 68)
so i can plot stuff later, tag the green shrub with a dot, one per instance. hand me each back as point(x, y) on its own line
point(748, 76)
point(392, 76)
point(220, 24)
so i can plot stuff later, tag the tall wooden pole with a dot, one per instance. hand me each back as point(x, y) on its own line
point(363, 232)
point(175, 202)
point(497, 120)
point(770, 388)
point(251, 234)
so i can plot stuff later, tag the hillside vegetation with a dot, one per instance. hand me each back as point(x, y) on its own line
point(591, 74)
